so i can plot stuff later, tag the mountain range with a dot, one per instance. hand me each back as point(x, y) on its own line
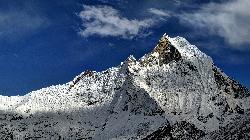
point(173, 92)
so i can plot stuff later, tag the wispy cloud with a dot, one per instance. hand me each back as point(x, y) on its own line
point(14, 24)
point(107, 21)
point(230, 20)
point(159, 12)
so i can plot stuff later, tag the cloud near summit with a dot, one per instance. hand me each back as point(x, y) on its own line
point(230, 20)
point(107, 21)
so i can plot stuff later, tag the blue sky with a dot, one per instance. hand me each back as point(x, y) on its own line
point(48, 42)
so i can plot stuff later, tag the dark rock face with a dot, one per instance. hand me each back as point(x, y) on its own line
point(162, 133)
point(167, 52)
point(204, 119)
point(180, 130)
point(229, 85)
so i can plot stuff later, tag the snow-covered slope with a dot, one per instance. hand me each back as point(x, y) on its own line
point(175, 91)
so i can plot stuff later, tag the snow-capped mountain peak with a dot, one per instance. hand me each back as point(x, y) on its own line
point(168, 91)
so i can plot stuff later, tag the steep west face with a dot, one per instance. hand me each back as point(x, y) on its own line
point(174, 89)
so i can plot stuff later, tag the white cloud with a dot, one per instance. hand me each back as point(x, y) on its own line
point(229, 20)
point(159, 12)
point(107, 21)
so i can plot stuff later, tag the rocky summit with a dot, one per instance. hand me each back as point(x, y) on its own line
point(173, 92)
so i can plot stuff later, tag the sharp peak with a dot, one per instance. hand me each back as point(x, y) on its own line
point(186, 50)
point(163, 53)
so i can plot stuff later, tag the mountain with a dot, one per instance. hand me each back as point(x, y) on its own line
point(173, 92)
